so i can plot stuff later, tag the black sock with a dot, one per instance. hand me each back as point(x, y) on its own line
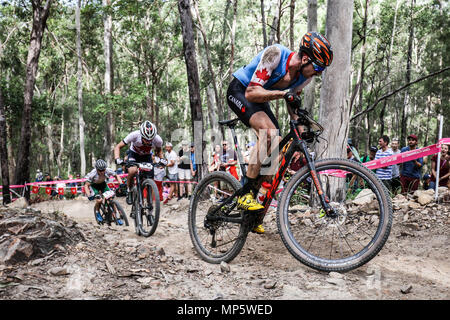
point(250, 185)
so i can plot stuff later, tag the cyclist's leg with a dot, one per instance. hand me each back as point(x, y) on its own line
point(266, 129)
point(256, 116)
point(96, 188)
point(132, 157)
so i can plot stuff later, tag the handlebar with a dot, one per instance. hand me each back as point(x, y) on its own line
point(146, 166)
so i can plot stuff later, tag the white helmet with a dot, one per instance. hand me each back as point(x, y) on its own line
point(148, 130)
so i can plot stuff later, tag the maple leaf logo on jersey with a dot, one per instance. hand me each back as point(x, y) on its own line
point(263, 74)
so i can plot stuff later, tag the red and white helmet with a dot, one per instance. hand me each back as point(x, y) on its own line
point(148, 130)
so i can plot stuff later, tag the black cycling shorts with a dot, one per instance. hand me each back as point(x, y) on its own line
point(243, 108)
point(135, 157)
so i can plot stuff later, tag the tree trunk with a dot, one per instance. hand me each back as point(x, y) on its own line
point(51, 152)
point(291, 25)
point(275, 26)
point(310, 89)
point(406, 101)
point(263, 22)
point(208, 59)
point(109, 86)
point(11, 157)
point(81, 123)
point(4, 153)
point(388, 69)
point(232, 42)
point(193, 83)
point(40, 15)
point(335, 102)
point(61, 147)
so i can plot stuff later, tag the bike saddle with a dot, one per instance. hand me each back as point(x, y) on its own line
point(229, 123)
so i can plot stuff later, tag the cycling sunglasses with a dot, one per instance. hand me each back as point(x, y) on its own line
point(316, 67)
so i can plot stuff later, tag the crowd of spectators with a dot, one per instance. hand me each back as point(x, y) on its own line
point(408, 176)
point(175, 180)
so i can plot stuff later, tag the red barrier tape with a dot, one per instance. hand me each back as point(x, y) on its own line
point(374, 164)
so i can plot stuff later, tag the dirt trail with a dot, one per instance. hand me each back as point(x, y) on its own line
point(114, 262)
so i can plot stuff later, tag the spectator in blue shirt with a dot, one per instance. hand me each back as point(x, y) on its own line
point(412, 170)
point(384, 173)
point(193, 164)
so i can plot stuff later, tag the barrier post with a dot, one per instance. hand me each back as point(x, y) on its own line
point(438, 163)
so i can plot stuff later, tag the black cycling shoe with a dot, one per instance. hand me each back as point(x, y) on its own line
point(129, 198)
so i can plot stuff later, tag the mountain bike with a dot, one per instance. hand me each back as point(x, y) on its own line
point(316, 219)
point(145, 196)
point(110, 209)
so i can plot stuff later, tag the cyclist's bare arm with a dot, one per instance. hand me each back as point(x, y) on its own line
point(87, 189)
point(258, 94)
point(255, 92)
point(117, 148)
point(118, 179)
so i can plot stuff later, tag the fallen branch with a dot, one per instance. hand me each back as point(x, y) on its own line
point(370, 108)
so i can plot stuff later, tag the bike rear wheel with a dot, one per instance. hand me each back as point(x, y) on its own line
point(214, 239)
point(148, 215)
point(354, 235)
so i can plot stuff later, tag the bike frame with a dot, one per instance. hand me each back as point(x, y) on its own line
point(297, 144)
point(137, 182)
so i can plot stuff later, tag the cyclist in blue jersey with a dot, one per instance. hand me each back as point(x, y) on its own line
point(275, 73)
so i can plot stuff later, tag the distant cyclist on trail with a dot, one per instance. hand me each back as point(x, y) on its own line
point(141, 143)
point(275, 73)
point(96, 179)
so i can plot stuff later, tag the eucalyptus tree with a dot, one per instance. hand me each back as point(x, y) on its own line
point(41, 11)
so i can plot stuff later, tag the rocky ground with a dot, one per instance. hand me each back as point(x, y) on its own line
point(55, 250)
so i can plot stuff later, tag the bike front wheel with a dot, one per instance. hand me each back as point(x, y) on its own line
point(353, 234)
point(148, 215)
point(119, 213)
point(217, 234)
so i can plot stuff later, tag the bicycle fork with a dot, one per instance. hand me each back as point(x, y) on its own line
point(324, 201)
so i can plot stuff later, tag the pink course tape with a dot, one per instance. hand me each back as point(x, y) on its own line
point(374, 164)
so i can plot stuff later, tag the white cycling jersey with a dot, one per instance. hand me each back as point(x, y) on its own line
point(94, 178)
point(136, 145)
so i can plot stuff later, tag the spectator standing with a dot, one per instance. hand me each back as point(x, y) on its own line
point(410, 173)
point(444, 168)
point(372, 152)
point(193, 164)
point(71, 184)
point(249, 147)
point(39, 176)
point(172, 170)
point(350, 155)
point(184, 171)
point(160, 170)
point(47, 177)
point(228, 160)
point(79, 184)
point(384, 173)
point(395, 182)
point(298, 161)
point(59, 185)
point(215, 163)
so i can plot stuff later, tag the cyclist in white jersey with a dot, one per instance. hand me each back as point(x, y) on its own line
point(96, 184)
point(141, 143)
